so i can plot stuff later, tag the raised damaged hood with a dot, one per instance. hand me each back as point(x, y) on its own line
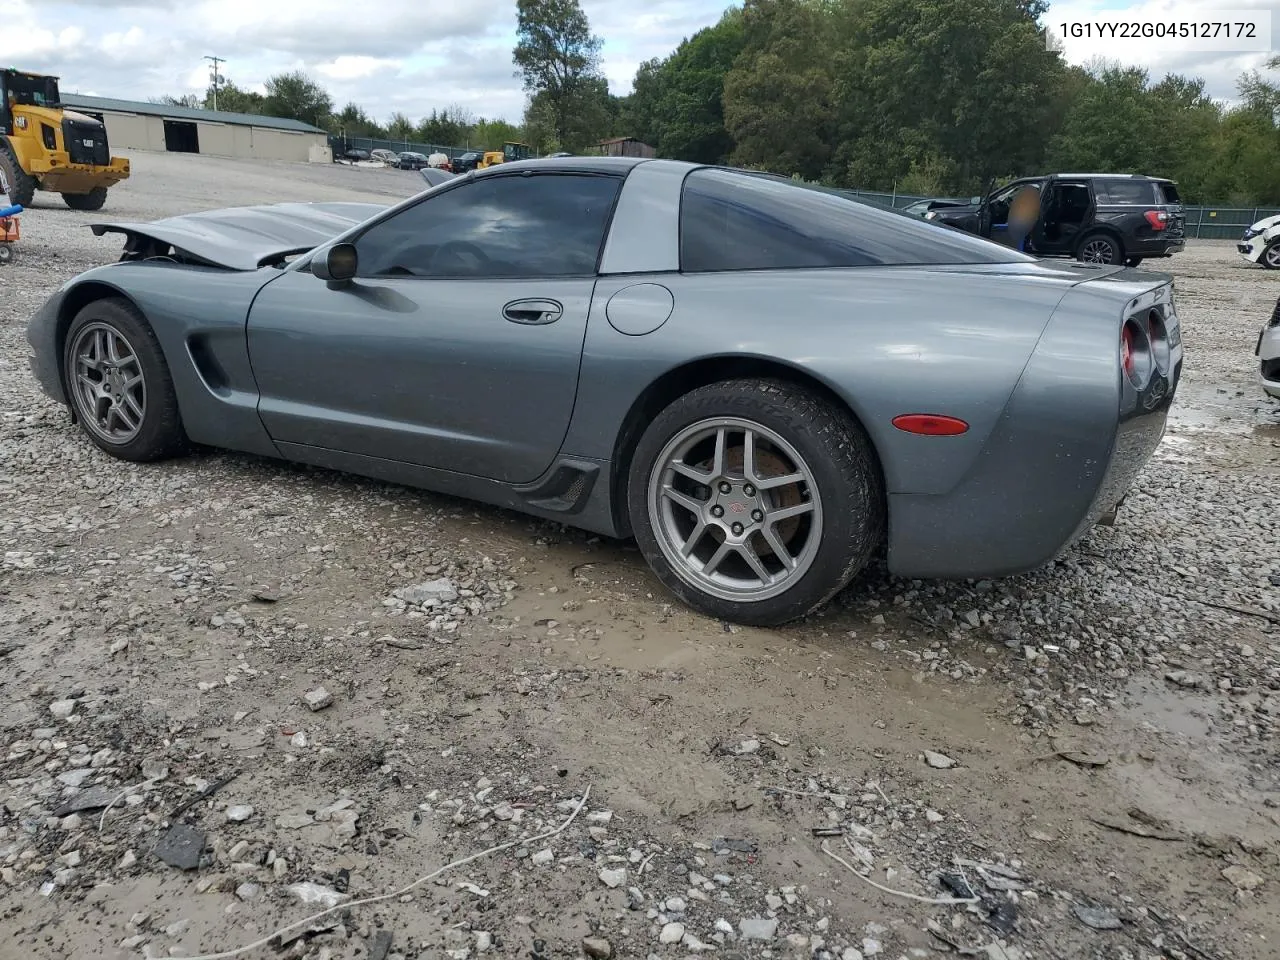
point(246, 238)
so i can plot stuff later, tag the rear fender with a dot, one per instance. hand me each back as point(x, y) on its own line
point(1068, 444)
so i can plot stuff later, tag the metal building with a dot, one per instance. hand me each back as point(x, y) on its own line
point(626, 147)
point(157, 126)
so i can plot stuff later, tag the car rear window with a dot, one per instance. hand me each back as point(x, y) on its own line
point(1128, 191)
point(735, 220)
point(1168, 193)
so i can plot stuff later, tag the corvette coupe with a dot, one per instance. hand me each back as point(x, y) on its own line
point(762, 382)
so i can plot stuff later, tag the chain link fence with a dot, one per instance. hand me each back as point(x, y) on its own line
point(1204, 222)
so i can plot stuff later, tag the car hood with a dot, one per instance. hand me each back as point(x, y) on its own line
point(246, 238)
point(1266, 223)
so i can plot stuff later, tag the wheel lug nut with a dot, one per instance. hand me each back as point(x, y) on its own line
point(724, 486)
point(749, 490)
point(737, 529)
point(757, 515)
point(717, 511)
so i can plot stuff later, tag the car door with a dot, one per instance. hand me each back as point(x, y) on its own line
point(994, 216)
point(1065, 213)
point(457, 344)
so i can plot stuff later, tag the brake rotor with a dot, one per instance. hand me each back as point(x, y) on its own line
point(768, 465)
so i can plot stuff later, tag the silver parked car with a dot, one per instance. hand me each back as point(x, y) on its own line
point(764, 384)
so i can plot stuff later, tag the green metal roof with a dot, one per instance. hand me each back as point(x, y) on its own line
point(78, 102)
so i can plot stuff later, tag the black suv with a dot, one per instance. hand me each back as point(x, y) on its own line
point(1094, 217)
point(467, 161)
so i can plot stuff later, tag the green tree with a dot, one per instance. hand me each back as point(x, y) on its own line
point(447, 127)
point(778, 96)
point(186, 100)
point(492, 134)
point(400, 127)
point(297, 97)
point(559, 59)
point(232, 99)
point(967, 80)
point(354, 122)
point(677, 104)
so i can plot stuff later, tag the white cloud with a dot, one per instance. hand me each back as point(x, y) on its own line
point(412, 56)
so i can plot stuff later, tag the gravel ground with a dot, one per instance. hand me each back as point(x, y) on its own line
point(238, 693)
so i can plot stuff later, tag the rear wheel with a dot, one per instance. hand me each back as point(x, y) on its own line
point(755, 500)
point(93, 200)
point(6, 253)
point(22, 186)
point(119, 383)
point(1099, 248)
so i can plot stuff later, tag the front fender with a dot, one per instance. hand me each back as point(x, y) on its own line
point(198, 315)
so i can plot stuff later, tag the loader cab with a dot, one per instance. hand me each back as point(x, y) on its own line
point(512, 152)
point(18, 89)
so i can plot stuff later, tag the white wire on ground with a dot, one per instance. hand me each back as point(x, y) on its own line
point(940, 901)
point(265, 941)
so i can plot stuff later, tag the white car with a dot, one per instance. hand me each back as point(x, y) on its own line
point(1261, 243)
point(1268, 353)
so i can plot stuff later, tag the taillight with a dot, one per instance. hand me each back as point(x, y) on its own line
point(1157, 218)
point(1126, 350)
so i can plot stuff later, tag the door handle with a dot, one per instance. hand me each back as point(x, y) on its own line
point(533, 312)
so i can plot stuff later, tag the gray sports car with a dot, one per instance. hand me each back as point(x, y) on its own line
point(761, 382)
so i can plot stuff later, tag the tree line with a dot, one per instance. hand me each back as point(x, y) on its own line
point(931, 97)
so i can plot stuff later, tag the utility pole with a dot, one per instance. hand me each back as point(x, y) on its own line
point(216, 61)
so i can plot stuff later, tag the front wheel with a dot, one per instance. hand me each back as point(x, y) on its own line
point(1099, 248)
point(119, 383)
point(6, 253)
point(93, 200)
point(755, 501)
point(1271, 255)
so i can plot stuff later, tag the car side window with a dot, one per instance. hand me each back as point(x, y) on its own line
point(1126, 191)
point(544, 225)
point(733, 220)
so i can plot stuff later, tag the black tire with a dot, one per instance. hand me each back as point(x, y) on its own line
point(93, 200)
point(1098, 239)
point(1133, 261)
point(22, 186)
point(6, 253)
point(160, 434)
point(843, 465)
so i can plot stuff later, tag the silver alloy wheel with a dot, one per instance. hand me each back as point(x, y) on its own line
point(735, 509)
point(1097, 251)
point(107, 383)
point(1272, 256)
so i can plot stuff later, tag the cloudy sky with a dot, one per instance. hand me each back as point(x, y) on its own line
point(416, 55)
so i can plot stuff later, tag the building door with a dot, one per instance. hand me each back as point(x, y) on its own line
point(181, 136)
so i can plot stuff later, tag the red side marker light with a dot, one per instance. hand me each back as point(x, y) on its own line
point(930, 424)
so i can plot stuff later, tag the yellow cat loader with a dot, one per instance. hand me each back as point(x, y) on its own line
point(45, 146)
point(509, 153)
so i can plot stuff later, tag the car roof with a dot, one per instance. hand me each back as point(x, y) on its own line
point(1110, 176)
point(619, 165)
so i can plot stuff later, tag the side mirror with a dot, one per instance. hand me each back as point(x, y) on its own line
point(975, 200)
point(338, 265)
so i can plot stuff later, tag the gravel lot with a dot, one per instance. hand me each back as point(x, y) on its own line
point(1084, 758)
